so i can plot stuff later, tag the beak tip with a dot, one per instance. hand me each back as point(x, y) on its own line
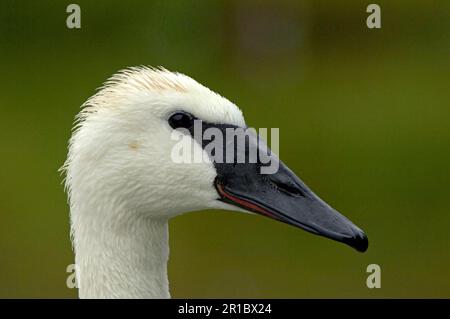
point(360, 242)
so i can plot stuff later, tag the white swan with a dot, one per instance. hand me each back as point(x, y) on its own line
point(123, 185)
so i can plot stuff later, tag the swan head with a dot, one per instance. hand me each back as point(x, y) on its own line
point(129, 150)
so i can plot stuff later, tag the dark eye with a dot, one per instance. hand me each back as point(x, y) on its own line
point(181, 119)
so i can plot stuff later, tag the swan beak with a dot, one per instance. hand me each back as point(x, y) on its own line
point(284, 197)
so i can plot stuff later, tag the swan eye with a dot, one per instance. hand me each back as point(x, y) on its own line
point(181, 120)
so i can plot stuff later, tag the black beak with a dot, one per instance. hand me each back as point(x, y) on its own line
point(280, 195)
point(284, 197)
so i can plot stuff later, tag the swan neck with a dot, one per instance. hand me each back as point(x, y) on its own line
point(125, 259)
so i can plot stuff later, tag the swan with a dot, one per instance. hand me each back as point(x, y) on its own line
point(123, 186)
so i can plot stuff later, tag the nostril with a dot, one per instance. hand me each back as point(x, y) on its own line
point(289, 188)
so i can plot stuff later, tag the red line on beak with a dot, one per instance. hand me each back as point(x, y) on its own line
point(244, 203)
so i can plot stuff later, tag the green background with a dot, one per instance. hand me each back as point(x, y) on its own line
point(363, 115)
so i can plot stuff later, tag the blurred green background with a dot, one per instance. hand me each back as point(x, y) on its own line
point(364, 118)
